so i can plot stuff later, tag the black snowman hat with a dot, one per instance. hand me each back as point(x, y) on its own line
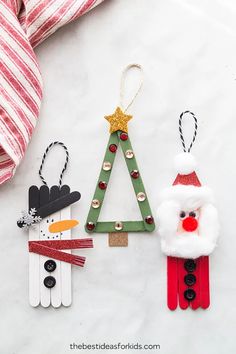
point(45, 201)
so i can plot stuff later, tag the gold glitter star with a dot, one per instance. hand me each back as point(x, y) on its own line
point(118, 121)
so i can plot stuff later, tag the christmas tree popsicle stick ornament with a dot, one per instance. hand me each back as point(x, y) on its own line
point(118, 230)
point(49, 225)
point(188, 227)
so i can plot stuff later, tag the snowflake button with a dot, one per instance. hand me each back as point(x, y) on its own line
point(28, 219)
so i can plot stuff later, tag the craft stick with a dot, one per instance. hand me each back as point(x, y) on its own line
point(66, 281)
point(172, 282)
point(128, 226)
point(54, 217)
point(138, 185)
point(45, 297)
point(34, 275)
point(205, 287)
point(58, 204)
point(66, 278)
point(183, 303)
point(103, 176)
point(195, 304)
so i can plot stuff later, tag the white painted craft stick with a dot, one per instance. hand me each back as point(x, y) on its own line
point(34, 276)
point(45, 297)
point(56, 290)
point(66, 267)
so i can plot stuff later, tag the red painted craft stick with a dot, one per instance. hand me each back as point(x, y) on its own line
point(66, 244)
point(204, 276)
point(38, 248)
point(172, 283)
point(183, 303)
point(196, 303)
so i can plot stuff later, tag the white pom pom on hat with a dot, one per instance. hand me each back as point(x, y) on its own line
point(185, 163)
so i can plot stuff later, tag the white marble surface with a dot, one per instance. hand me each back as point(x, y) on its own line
point(187, 49)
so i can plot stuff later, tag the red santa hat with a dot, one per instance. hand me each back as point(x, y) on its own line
point(187, 189)
point(185, 165)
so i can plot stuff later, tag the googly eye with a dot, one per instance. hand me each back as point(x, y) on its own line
point(194, 214)
point(182, 214)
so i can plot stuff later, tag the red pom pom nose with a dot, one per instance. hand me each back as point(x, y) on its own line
point(190, 224)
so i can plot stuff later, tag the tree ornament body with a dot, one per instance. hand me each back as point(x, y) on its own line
point(118, 229)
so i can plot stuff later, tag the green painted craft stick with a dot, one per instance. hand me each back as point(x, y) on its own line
point(128, 226)
point(137, 183)
point(104, 176)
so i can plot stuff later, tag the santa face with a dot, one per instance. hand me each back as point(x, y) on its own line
point(188, 222)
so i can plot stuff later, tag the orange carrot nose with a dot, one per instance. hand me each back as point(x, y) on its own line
point(62, 225)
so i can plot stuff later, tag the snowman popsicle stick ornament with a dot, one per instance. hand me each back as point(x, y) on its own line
point(188, 228)
point(49, 223)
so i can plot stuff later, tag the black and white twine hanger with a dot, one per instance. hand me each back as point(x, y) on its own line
point(181, 130)
point(44, 158)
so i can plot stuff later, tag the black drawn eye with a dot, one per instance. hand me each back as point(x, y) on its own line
point(52, 220)
point(182, 214)
point(47, 221)
point(194, 214)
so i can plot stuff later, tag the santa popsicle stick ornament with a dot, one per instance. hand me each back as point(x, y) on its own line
point(49, 223)
point(188, 228)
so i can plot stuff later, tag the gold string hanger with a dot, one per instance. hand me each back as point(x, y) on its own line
point(119, 119)
point(122, 85)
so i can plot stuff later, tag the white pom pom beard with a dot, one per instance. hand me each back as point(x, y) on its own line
point(187, 244)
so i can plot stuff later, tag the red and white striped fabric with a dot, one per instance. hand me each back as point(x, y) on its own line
point(24, 24)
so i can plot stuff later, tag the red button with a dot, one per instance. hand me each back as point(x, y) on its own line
point(102, 185)
point(134, 174)
point(149, 219)
point(113, 148)
point(124, 136)
point(90, 226)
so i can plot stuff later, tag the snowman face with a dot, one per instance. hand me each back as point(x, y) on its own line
point(45, 234)
point(189, 221)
